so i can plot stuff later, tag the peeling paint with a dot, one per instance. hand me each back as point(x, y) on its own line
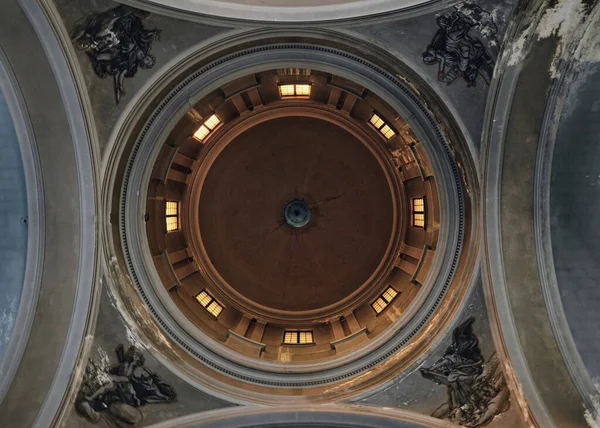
point(592, 416)
point(560, 21)
point(7, 319)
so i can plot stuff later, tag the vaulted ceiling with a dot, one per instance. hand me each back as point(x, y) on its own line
point(240, 213)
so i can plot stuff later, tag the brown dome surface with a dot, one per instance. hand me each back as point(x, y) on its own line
point(242, 221)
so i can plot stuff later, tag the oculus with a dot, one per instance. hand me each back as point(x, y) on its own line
point(297, 213)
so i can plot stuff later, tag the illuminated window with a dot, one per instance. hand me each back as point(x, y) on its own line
point(418, 212)
point(298, 337)
point(172, 215)
point(387, 132)
point(389, 294)
point(294, 90)
point(207, 127)
point(376, 121)
point(212, 122)
point(384, 300)
point(209, 303)
point(381, 126)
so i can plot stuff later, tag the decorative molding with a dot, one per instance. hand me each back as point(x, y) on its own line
point(45, 26)
point(346, 415)
point(36, 225)
point(261, 12)
point(359, 335)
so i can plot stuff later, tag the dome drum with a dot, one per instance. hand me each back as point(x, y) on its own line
point(414, 161)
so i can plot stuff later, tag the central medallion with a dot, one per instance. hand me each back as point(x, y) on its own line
point(297, 213)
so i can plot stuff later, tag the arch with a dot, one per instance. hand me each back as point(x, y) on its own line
point(60, 321)
point(277, 11)
point(35, 224)
point(345, 415)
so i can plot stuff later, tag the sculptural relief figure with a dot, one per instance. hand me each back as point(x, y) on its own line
point(116, 43)
point(477, 391)
point(460, 47)
point(118, 391)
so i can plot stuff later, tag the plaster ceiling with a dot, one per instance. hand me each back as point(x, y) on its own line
point(244, 230)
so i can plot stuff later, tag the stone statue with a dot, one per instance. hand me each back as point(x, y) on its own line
point(116, 43)
point(117, 392)
point(477, 391)
point(458, 45)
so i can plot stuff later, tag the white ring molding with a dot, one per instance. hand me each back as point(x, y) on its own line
point(80, 132)
point(289, 11)
point(337, 415)
point(35, 221)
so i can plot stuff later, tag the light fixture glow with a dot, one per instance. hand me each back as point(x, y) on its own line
point(207, 127)
point(298, 337)
point(418, 214)
point(172, 215)
point(387, 132)
point(201, 133)
point(389, 294)
point(212, 122)
point(203, 298)
point(376, 121)
point(384, 300)
point(294, 90)
point(214, 308)
point(379, 305)
point(302, 90)
point(381, 126)
point(209, 303)
point(286, 90)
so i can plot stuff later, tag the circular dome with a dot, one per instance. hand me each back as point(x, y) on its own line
point(244, 228)
point(215, 160)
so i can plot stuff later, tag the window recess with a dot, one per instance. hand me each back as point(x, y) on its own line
point(384, 300)
point(298, 337)
point(209, 303)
